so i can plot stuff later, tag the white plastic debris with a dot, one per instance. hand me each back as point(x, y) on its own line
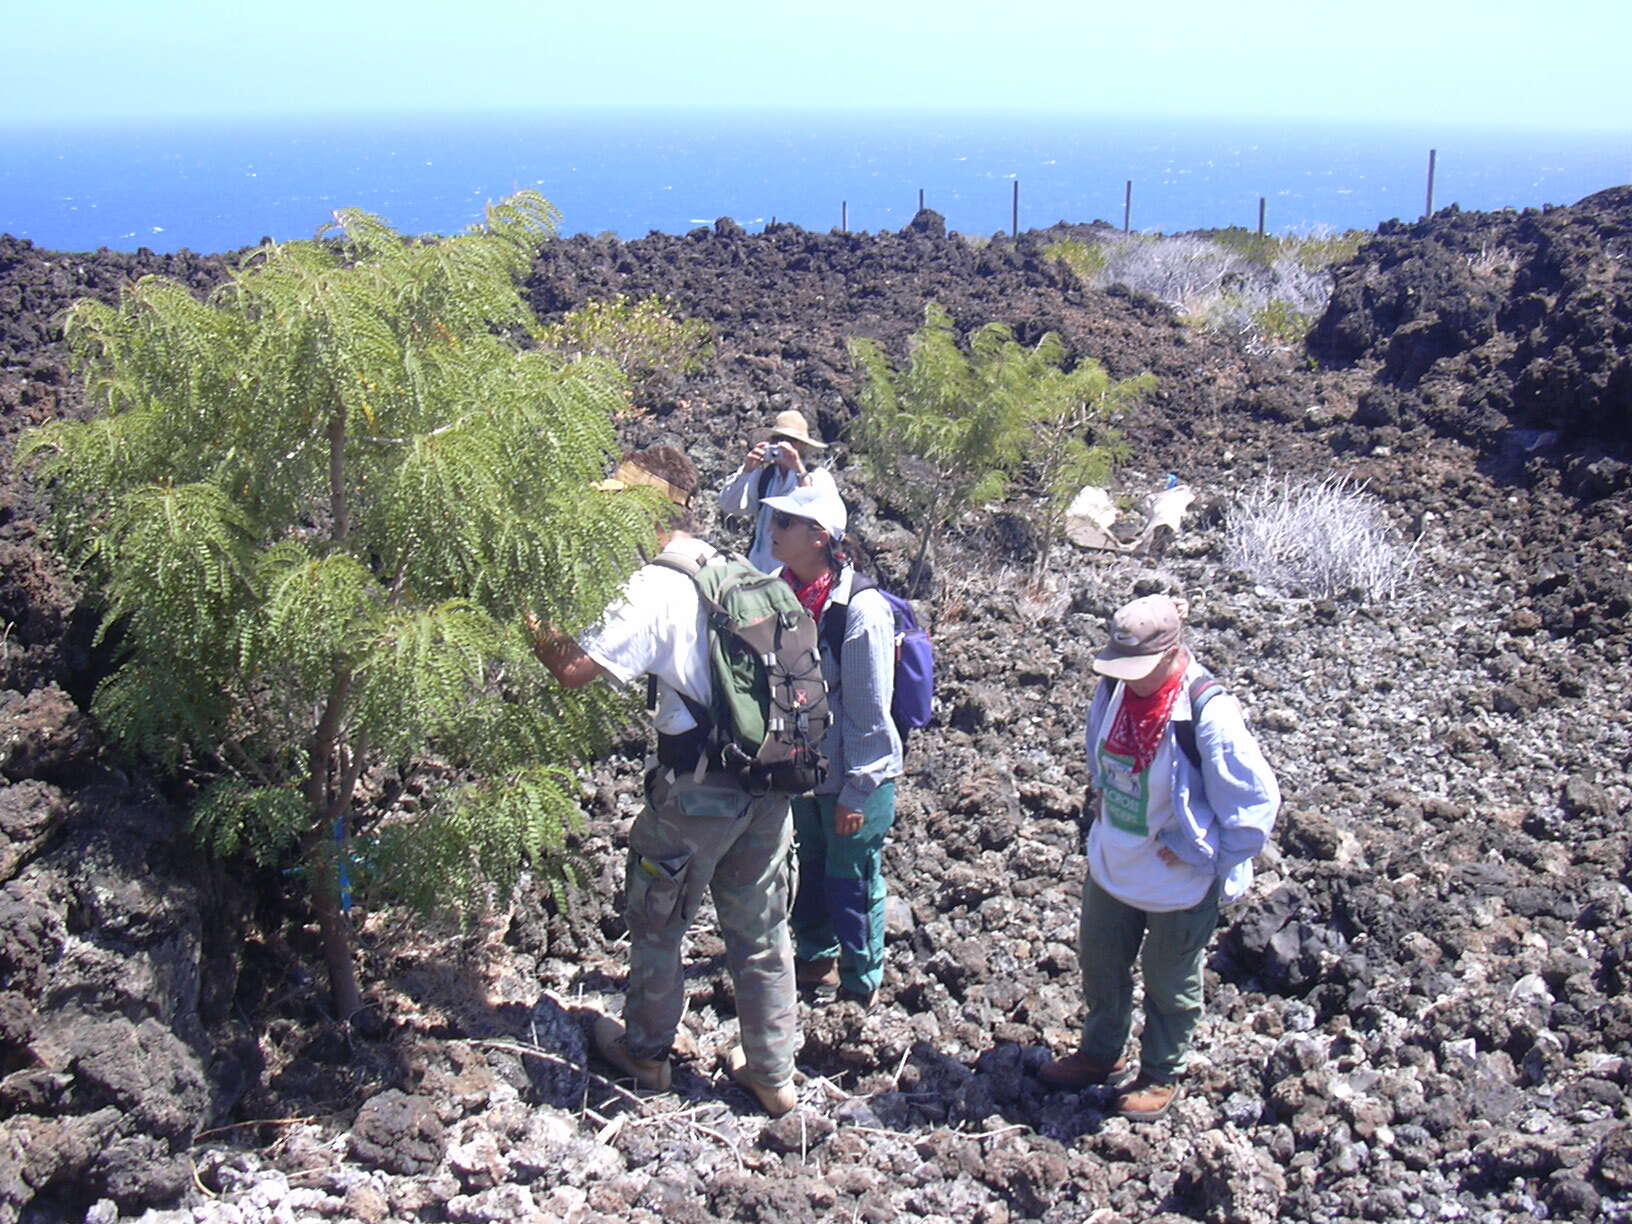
point(1092, 514)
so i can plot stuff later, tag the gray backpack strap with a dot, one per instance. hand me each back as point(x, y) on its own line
point(678, 561)
point(1202, 690)
point(690, 567)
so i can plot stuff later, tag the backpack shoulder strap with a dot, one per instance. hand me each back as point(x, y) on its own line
point(766, 475)
point(691, 567)
point(1202, 690)
point(833, 627)
point(668, 559)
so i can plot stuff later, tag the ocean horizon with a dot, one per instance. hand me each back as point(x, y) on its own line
point(219, 186)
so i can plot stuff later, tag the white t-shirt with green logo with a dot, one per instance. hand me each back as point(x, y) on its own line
point(1134, 807)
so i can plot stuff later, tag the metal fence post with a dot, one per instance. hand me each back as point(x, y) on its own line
point(1260, 216)
point(844, 216)
point(1432, 155)
point(920, 199)
point(1127, 207)
point(1014, 215)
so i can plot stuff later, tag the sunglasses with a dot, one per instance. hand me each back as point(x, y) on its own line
point(782, 520)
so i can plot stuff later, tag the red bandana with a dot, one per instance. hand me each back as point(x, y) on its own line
point(813, 594)
point(1140, 721)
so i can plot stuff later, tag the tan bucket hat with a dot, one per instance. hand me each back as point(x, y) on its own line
point(791, 424)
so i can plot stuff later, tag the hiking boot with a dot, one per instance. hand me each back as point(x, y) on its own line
point(774, 1101)
point(1145, 1101)
point(1079, 1070)
point(823, 971)
point(652, 1074)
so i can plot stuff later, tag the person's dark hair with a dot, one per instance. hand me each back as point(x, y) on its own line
point(682, 518)
point(668, 463)
point(838, 554)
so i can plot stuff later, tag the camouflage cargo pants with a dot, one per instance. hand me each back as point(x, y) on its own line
point(692, 837)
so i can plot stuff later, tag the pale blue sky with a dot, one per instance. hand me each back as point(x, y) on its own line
point(1558, 65)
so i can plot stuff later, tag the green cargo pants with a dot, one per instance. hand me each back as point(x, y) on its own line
point(1175, 944)
point(692, 837)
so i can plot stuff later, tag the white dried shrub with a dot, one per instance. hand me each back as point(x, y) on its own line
point(1264, 305)
point(1183, 271)
point(1321, 538)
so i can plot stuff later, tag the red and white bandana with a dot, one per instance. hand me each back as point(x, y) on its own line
point(812, 595)
point(1140, 721)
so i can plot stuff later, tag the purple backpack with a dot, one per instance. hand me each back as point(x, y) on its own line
point(914, 701)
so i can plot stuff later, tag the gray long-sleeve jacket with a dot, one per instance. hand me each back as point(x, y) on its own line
point(863, 747)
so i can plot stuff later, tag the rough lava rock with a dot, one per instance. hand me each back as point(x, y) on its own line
point(1420, 1010)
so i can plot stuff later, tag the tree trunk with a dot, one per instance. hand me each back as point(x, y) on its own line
point(323, 859)
point(918, 561)
point(1044, 549)
point(345, 995)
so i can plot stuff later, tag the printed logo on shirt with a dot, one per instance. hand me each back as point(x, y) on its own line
point(1125, 793)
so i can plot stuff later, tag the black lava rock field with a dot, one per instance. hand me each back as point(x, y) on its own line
point(1422, 1010)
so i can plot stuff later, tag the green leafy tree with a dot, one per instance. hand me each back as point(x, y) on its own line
point(647, 340)
point(316, 506)
point(1073, 415)
point(945, 432)
point(950, 430)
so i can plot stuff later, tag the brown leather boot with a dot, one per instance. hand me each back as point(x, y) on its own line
point(774, 1101)
point(824, 971)
point(1078, 1070)
point(652, 1074)
point(1145, 1101)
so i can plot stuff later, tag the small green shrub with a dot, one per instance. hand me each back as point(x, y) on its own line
point(1086, 260)
point(647, 340)
point(1260, 249)
point(1279, 323)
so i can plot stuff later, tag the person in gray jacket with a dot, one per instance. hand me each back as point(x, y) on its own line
point(1173, 838)
point(774, 469)
point(838, 910)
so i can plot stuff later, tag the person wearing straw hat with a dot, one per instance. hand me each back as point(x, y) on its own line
point(701, 832)
point(1185, 799)
point(774, 468)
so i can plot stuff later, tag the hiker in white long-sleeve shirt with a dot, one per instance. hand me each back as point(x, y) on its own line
point(772, 469)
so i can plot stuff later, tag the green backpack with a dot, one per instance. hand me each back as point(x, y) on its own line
point(769, 715)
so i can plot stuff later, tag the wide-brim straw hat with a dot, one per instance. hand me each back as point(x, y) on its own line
point(791, 424)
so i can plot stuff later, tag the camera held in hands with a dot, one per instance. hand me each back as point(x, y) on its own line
point(773, 453)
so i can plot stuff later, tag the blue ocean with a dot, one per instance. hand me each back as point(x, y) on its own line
point(221, 186)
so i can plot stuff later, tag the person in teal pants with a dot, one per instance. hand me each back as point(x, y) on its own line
point(838, 912)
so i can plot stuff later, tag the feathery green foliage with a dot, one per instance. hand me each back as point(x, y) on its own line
point(316, 504)
point(645, 339)
point(949, 430)
point(1073, 416)
point(945, 432)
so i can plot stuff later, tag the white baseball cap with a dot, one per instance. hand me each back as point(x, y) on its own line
point(821, 506)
